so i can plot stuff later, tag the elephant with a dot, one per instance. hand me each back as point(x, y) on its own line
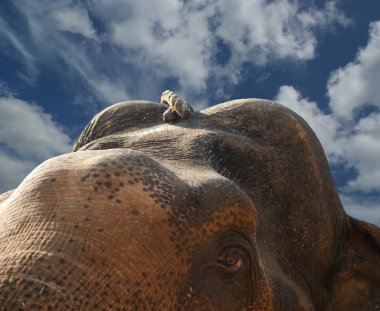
point(233, 208)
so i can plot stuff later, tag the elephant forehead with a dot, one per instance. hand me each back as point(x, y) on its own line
point(125, 190)
point(107, 178)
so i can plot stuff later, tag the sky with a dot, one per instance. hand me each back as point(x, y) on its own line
point(63, 61)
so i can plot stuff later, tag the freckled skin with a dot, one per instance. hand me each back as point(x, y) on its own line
point(231, 209)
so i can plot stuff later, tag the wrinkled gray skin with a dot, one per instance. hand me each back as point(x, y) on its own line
point(232, 209)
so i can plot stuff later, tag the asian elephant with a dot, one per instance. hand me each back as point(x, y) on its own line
point(233, 208)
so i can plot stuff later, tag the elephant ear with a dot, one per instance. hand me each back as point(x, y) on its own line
point(370, 230)
point(119, 118)
point(355, 282)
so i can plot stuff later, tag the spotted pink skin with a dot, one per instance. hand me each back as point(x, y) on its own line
point(231, 209)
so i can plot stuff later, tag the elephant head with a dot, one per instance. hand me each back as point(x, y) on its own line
point(233, 208)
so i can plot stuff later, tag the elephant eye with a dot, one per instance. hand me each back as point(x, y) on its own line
point(231, 260)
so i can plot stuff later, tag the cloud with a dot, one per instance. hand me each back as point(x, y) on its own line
point(259, 31)
point(168, 38)
point(27, 130)
point(362, 152)
point(12, 171)
point(186, 44)
point(137, 47)
point(325, 126)
point(351, 90)
point(357, 146)
point(28, 136)
point(356, 85)
point(16, 49)
point(61, 37)
point(324, 18)
point(360, 208)
point(74, 20)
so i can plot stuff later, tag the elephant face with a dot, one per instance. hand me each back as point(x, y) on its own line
point(231, 209)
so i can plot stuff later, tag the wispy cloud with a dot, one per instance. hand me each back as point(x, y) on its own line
point(16, 48)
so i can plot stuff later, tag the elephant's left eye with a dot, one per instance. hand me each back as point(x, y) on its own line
point(231, 260)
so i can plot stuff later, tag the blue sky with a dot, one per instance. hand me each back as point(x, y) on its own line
point(63, 61)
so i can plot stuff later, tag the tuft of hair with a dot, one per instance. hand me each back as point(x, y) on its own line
point(175, 104)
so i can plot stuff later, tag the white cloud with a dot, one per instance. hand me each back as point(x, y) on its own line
point(170, 39)
point(258, 30)
point(75, 20)
point(12, 171)
point(28, 136)
point(368, 210)
point(363, 153)
point(325, 126)
point(351, 89)
point(357, 84)
point(27, 130)
point(357, 147)
point(324, 18)
point(185, 47)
